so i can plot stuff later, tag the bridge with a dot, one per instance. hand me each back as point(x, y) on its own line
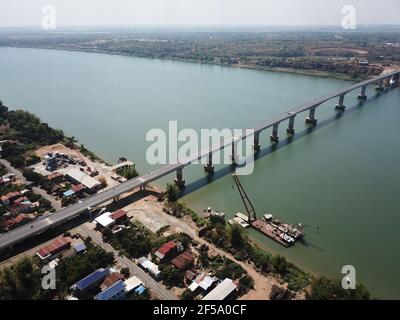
point(42, 224)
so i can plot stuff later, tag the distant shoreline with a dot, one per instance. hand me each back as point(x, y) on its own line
point(303, 72)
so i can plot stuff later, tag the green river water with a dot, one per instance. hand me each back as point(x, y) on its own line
point(343, 176)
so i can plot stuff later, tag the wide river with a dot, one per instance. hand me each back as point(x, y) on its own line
point(343, 176)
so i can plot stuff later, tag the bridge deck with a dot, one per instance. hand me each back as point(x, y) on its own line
point(70, 212)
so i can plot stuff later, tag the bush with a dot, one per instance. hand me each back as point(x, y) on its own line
point(32, 176)
point(188, 295)
point(171, 276)
point(245, 284)
point(230, 270)
point(326, 289)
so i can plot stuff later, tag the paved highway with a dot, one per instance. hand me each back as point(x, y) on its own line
point(63, 215)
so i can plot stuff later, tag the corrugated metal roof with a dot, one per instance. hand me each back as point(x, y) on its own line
point(140, 289)
point(132, 283)
point(95, 276)
point(112, 291)
point(220, 292)
point(79, 247)
point(83, 178)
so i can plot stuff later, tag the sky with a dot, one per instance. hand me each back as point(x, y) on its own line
point(28, 13)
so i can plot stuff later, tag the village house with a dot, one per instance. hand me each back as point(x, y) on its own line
point(183, 261)
point(110, 280)
point(19, 220)
point(9, 198)
point(78, 177)
point(149, 266)
point(90, 280)
point(54, 248)
point(167, 250)
point(227, 289)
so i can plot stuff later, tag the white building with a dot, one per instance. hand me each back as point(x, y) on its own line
point(151, 267)
point(132, 283)
point(222, 291)
point(105, 220)
point(80, 177)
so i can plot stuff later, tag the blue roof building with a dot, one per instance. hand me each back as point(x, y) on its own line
point(115, 292)
point(79, 247)
point(91, 279)
point(140, 289)
point(68, 193)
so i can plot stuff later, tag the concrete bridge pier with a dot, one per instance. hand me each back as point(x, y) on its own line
point(396, 79)
point(256, 145)
point(234, 154)
point(274, 136)
point(379, 87)
point(362, 95)
point(290, 129)
point(340, 105)
point(311, 117)
point(386, 82)
point(179, 181)
point(209, 168)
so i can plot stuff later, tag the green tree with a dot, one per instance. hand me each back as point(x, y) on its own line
point(171, 276)
point(280, 264)
point(245, 283)
point(125, 271)
point(327, 289)
point(236, 237)
point(172, 192)
point(188, 295)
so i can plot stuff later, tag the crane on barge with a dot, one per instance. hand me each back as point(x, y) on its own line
point(283, 233)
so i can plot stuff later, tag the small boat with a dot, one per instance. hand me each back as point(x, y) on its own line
point(238, 221)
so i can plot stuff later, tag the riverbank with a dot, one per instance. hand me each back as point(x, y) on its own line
point(303, 72)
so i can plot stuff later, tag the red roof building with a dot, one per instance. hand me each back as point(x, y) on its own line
point(183, 261)
point(166, 249)
point(55, 247)
point(110, 280)
point(21, 199)
point(78, 188)
point(10, 197)
point(119, 215)
point(56, 176)
point(19, 220)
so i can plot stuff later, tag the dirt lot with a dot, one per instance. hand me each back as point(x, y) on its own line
point(102, 168)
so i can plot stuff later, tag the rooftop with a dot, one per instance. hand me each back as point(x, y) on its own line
point(54, 247)
point(78, 187)
point(183, 260)
point(104, 220)
point(83, 178)
point(165, 249)
point(132, 283)
point(92, 278)
point(111, 292)
point(111, 279)
point(118, 214)
point(222, 291)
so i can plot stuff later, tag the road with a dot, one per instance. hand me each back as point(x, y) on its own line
point(158, 290)
point(63, 215)
point(262, 284)
point(54, 203)
point(13, 170)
